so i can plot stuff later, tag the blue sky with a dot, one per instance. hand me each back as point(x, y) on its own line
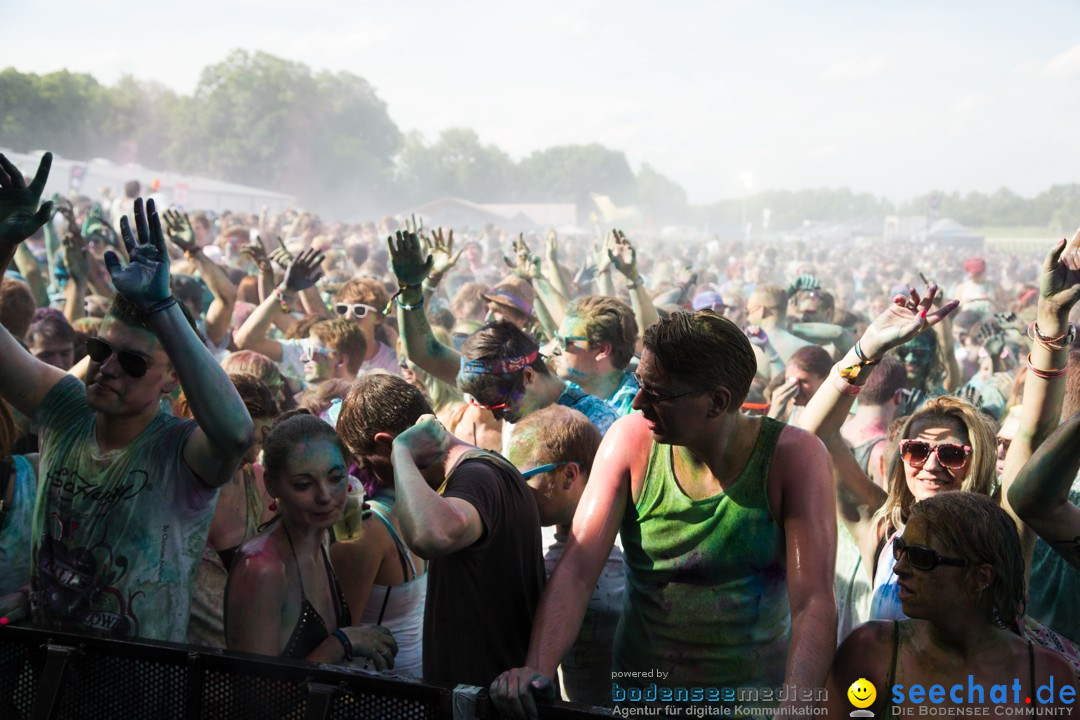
point(892, 99)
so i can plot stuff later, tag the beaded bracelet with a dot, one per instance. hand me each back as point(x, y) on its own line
point(1046, 374)
point(402, 287)
point(283, 300)
point(345, 644)
point(633, 284)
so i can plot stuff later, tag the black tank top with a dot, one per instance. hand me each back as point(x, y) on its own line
point(311, 629)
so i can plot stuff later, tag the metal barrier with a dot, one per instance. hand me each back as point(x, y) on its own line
point(46, 675)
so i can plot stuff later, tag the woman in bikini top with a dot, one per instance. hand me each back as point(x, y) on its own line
point(283, 598)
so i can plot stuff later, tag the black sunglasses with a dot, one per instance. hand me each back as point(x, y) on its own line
point(921, 557)
point(99, 351)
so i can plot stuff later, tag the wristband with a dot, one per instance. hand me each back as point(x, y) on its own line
point(863, 360)
point(1061, 342)
point(162, 305)
point(345, 644)
point(414, 306)
point(632, 284)
point(842, 386)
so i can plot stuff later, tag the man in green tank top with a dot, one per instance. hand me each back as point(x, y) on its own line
point(729, 533)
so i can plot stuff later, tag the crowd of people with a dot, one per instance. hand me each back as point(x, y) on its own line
point(536, 466)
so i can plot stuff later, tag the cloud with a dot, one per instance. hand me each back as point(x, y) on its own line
point(1067, 64)
point(855, 69)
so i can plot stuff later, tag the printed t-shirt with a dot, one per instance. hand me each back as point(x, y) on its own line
point(116, 536)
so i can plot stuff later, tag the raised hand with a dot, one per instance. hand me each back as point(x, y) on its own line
point(442, 253)
point(20, 216)
point(180, 232)
point(76, 256)
point(622, 254)
point(526, 265)
point(1059, 284)
point(905, 318)
point(304, 271)
point(144, 281)
point(601, 258)
point(258, 255)
point(407, 258)
point(552, 246)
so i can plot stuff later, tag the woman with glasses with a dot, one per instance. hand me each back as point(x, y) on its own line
point(946, 444)
point(961, 578)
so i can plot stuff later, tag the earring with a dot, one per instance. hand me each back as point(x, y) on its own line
point(273, 505)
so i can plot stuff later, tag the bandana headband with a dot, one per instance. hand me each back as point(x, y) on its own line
point(501, 366)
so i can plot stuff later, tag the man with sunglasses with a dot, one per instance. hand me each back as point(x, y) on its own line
point(127, 491)
point(727, 525)
point(594, 347)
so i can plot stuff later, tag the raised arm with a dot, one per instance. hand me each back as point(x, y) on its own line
point(562, 606)
point(555, 271)
point(20, 216)
point(550, 306)
point(225, 432)
point(1035, 485)
point(411, 267)
point(623, 257)
point(432, 525)
point(443, 259)
point(219, 314)
point(857, 496)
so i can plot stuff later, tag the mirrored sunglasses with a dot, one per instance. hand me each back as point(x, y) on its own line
point(949, 455)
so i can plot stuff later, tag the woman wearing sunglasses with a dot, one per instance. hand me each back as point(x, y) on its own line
point(946, 444)
point(961, 578)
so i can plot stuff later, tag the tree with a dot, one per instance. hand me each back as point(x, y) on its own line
point(661, 198)
point(572, 173)
point(456, 164)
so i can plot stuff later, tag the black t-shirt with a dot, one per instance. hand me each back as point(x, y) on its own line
point(481, 600)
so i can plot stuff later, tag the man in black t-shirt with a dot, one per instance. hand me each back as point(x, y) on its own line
point(468, 511)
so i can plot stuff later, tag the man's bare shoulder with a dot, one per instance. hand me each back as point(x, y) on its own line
point(627, 442)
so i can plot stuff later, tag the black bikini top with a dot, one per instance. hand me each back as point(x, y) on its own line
point(311, 629)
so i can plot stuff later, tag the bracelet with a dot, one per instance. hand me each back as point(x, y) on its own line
point(345, 644)
point(863, 360)
point(842, 386)
point(632, 284)
point(1046, 374)
point(403, 306)
point(1061, 342)
point(162, 305)
point(283, 299)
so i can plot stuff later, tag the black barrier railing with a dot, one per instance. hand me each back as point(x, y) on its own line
point(46, 675)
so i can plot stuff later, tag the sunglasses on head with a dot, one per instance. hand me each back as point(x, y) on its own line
point(949, 455)
point(921, 557)
point(542, 469)
point(99, 351)
point(359, 310)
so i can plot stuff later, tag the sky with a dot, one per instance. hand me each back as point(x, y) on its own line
point(724, 97)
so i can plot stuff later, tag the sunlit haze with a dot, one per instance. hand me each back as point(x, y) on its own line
point(892, 99)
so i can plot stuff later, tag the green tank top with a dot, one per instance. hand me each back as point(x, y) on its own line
point(706, 592)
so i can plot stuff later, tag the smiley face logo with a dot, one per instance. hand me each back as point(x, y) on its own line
point(862, 693)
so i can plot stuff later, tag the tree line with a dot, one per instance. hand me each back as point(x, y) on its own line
point(328, 138)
